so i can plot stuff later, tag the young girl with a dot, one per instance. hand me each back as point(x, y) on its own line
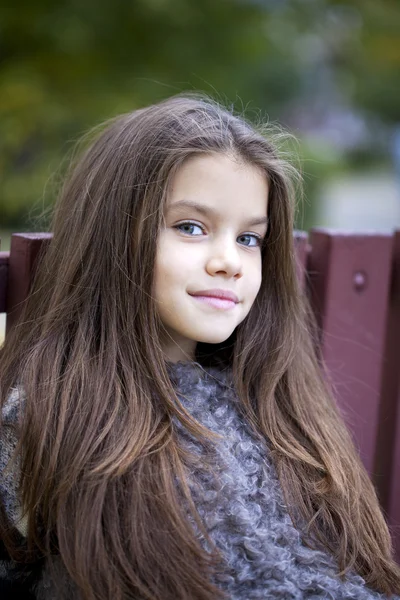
point(166, 430)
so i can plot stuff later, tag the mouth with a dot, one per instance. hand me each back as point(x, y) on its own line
point(216, 293)
point(215, 302)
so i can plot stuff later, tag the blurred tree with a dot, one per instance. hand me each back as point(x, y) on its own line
point(66, 66)
point(368, 55)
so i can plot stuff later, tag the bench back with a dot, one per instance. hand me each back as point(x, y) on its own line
point(354, 284)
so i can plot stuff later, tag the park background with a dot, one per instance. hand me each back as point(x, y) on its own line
point(325, 70)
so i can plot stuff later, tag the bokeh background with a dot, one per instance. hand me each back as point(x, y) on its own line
point(327, 71)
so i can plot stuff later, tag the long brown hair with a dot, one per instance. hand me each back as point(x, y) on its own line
point(103, 474)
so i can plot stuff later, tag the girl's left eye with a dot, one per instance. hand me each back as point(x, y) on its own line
point(249, 239)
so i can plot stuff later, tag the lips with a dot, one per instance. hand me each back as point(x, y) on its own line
point(221, 294)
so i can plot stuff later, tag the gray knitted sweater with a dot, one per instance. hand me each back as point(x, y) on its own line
point(242, 506)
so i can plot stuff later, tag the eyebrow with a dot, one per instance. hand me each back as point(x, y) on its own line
point(208, 211)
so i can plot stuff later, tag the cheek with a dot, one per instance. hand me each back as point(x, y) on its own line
point(173, 267)
point(257, 287)
point(255, 278)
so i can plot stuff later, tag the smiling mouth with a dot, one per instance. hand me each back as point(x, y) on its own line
point(214, 302)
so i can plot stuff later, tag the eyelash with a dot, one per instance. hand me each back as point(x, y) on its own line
point(258, 238)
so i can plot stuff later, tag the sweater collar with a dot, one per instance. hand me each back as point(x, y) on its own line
point(192, 373)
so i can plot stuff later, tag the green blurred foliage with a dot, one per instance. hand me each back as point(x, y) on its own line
point(66, 66)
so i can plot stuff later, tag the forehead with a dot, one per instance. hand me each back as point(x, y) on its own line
point(219, 183)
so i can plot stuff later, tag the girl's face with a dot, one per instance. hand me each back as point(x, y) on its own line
point(209, 246)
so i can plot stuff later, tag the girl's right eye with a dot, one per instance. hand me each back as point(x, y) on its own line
point(188, 228)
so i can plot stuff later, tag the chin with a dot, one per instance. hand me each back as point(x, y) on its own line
point(214, 337)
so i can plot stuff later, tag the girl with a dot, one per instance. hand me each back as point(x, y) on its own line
point(166, 430)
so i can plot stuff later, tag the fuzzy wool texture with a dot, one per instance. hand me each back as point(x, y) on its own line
point(240, 503)
point(8, 467)
point(243, 507)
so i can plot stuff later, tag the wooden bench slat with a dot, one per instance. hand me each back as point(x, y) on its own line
point(4, 259)
point(24, 251)
point(349, 282)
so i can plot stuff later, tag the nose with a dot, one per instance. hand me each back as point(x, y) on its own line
point(224, 259)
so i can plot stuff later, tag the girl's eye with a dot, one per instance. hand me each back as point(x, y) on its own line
point(189, 228)
point(249, 239)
